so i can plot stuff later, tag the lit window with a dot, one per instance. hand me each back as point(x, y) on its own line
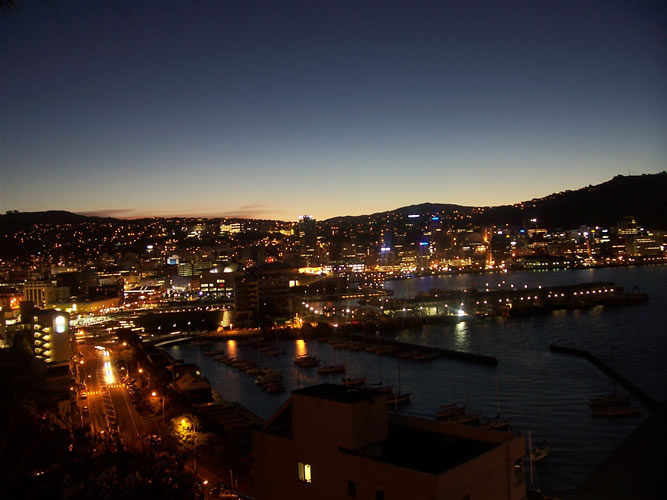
point(304, 472)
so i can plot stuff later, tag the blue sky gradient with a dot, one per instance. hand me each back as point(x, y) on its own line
point(273, 109)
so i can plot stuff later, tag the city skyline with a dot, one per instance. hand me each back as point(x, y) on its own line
point(274, 109)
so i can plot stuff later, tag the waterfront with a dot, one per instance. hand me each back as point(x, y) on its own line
point(543, 392)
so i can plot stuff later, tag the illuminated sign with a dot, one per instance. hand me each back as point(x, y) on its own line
point(60, 324)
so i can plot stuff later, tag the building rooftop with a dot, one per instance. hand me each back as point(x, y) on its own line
point(419, 444)
point(338, 393)
point(428, 451)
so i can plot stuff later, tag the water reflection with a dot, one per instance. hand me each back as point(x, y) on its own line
point(301, 348)
point(460, 332)
point(231, 349)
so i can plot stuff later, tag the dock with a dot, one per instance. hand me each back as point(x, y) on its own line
point(406, 347)
point(647, 400)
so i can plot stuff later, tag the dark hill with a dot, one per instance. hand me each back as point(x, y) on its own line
point(15, 221)
point(643, 196)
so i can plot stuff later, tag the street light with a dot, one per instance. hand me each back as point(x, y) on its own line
point(148, 374)
point(185, 423)
point(154, 395)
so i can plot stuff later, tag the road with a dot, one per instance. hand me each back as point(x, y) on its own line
point(108, 402)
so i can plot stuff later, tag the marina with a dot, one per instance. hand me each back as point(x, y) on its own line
point(540, 391)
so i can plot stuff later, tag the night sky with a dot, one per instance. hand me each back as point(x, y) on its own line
point(274, 109)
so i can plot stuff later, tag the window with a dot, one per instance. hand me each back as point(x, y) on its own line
point(351, 489)
point(379, 495)
point(304, 472)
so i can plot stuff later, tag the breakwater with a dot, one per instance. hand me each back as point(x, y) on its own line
point(405, 350)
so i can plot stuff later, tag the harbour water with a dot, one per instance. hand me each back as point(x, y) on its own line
point(542, 392)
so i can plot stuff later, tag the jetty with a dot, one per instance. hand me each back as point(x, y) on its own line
point(417, 352)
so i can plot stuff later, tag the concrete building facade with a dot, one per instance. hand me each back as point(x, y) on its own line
point(330, 442)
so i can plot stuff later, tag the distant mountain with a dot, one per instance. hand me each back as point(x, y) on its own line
point(643, 196)
point(15, 221)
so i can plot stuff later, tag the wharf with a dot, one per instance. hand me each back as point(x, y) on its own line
point(406, 347)
point(651, 403)
point(482, 302)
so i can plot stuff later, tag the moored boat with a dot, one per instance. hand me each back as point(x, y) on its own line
point(354, 382)
point(398, 399)
point(540, 452)
point(615, 411)
point(499, 424)
point(332, 369)
point(306, 361)
point(609, 400)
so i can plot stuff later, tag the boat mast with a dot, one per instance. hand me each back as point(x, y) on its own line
point(530, 454)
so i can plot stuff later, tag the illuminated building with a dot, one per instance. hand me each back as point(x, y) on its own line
point(265, 290)
point(40, 293)
point(217, 286)
point(307, 231)
point(330, 442)
point(52, 336)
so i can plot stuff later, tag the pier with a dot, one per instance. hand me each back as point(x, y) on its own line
point(482, 302)
point(652, 404)
point(434, 352)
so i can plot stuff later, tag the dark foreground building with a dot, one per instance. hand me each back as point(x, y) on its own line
point(332, 442)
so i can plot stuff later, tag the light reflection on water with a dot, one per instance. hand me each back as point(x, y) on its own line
point(231, 349)
point(543, 392)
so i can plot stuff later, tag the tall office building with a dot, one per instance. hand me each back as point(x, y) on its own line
point(307, 231)
point(52, 336)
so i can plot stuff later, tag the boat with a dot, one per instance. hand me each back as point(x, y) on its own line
point(450, 411)
point(354, 382)
point(356, 346)
point(540, 452)
point(306, 361)
point(616, 411)
point(398, 399)
point(274, 388)
point(213, 353)
point(468, 419)
point(383, 389)
point(607, 400)
point(426, 355)
point(332, 369)
point(269, 376)
point(499, 424)
point(408, 354)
